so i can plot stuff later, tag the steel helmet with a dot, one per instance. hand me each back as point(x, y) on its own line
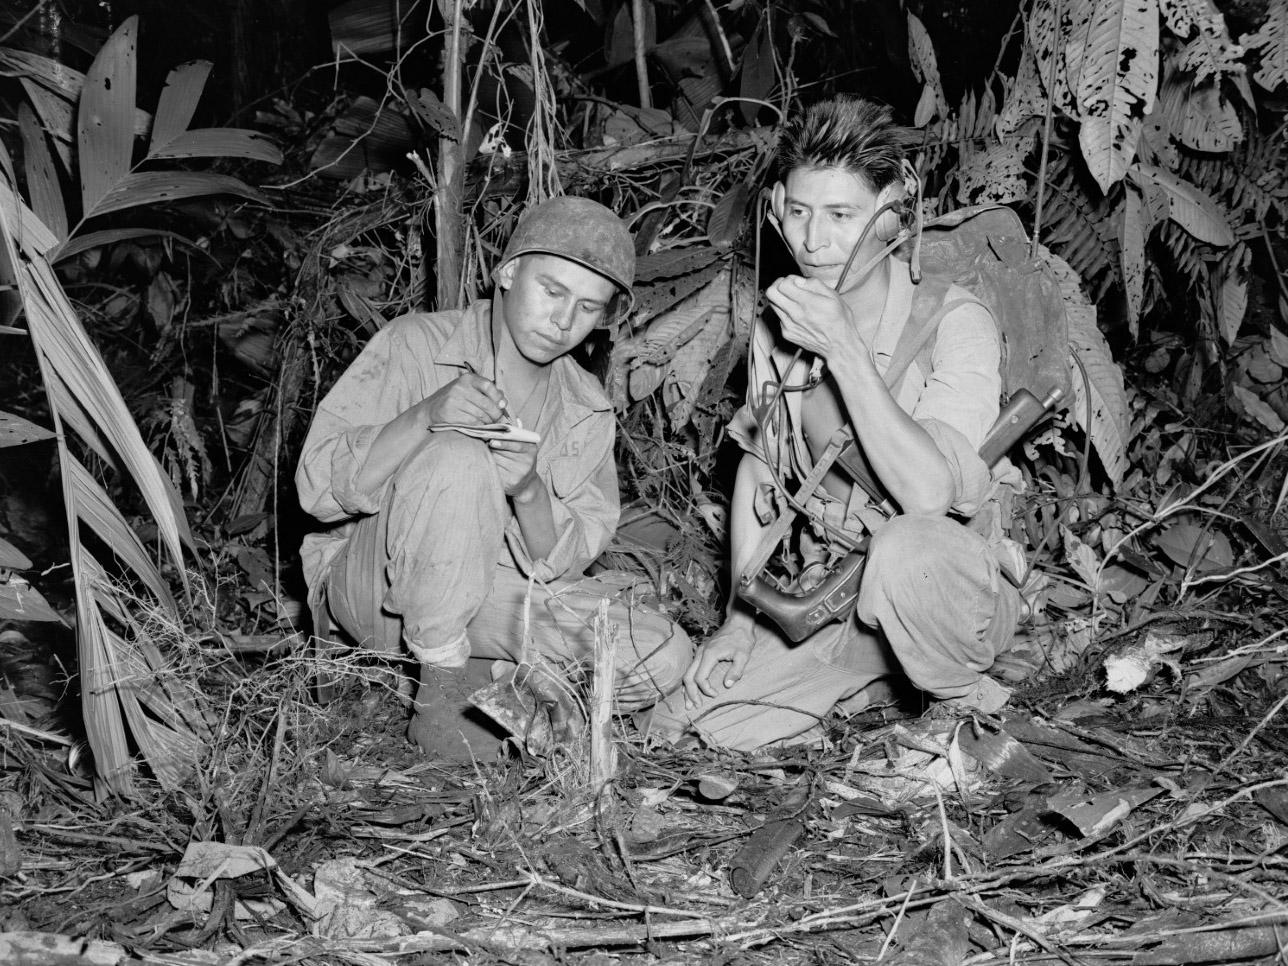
point(582, 231)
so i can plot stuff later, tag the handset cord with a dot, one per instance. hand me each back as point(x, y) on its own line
point(763, 413)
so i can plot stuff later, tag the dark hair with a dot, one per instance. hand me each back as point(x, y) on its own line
point(851, 133)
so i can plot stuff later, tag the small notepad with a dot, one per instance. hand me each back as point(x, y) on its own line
point(491, 431)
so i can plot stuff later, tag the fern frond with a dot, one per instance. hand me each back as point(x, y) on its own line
point(1248, 179)
point(1083, 231)
point(1184, 255)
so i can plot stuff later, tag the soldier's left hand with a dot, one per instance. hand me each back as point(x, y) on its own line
point(516, 462)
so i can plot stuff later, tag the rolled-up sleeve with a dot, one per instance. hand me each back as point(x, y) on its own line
point(959, 403)
point(581, 476)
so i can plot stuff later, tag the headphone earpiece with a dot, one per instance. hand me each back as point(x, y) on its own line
point(890, 220)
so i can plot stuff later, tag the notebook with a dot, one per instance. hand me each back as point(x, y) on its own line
point(491, 431)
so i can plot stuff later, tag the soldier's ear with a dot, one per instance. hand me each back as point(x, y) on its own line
point(504, 276)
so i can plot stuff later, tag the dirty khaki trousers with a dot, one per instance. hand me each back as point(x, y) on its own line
point(933, 606)
point(431, 571)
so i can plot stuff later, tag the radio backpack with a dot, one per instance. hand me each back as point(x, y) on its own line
point(985, 250)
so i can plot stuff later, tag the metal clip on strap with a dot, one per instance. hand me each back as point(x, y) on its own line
point(774, 535)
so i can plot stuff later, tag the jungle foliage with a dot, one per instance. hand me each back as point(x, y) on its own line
point(1140, 140)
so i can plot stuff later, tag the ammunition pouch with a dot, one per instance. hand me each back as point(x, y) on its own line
point(799, 616)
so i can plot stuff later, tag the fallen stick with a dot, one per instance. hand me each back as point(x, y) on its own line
point(603, 763)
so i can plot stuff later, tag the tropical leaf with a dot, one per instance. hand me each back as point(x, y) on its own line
point(996, 174)
point(106, 122)
point(42, 177)
point(1023, 99)
point(1270, 40)
point(1132, 235)
point(143, 188)
point(178, 102)
point(1209, 52)
point(1258, 409)
point(1050, 42)
point(65, 83)
point(85, 403)
point(921, 54)
point(729, 216)
point(1232, 291)
point(1198, 116)
point(649, 355)
point(1082, 228)
point(15, 431)
point(1191, 208)
point(110, 236)
point(219, 142)
point(690, 366)
point(105, 138)
point(1102, 391)
point(58, 117)
point(361, 27)
point(758, 76)
point(1249, 180)
point(1118, 82)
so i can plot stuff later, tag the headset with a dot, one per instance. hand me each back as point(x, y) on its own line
point(895, 222)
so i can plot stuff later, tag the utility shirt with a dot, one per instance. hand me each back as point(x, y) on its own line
point(410, 359)
point(956, 402)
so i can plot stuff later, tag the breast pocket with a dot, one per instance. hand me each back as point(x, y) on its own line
point(566, 475)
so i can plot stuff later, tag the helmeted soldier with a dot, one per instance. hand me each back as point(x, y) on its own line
point(448, 547)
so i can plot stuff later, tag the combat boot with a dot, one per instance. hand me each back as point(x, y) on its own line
point(444, 724)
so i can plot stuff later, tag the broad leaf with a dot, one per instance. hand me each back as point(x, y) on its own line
point(1209, 52)
point(921, 53)
point(1198, 116)
point(429, 108)
point(1232, 292)
point(674, 262)
point(363, 27)
point(1259, 409)
point(19, 601)
point(85, 403)
point(160, 187)
point(42, 177)
point(1132, 234)
point(1103, 386)
point(1119, 76)
point(110, 236)
point(63, 83)
point(995, 175)
point(178, 102)
point(757, 70)
point(15, 431)
point(11, 558)
point(1050, 41)
point(105, 133)
point(1270, 40)
point(1024, 99)
point(1191, 208)
point(691, 364)
point(729, 216)
point(58, 117)
point(219, 142)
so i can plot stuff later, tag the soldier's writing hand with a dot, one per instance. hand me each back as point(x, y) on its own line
point(470, 399)
point(813, 316)
point(719, 663)
point(516, 463)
